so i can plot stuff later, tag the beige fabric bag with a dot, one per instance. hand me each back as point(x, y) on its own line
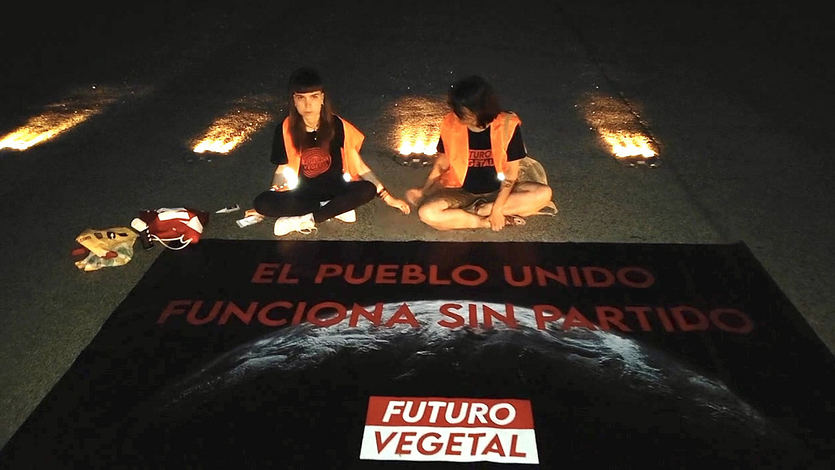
point(532, 171)
point(108, 247)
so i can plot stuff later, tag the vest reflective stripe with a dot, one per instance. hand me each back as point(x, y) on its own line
point(351, 161)
point(457, 146)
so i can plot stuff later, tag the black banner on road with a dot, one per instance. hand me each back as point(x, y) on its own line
point(327, 354)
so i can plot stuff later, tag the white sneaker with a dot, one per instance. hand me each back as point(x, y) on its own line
point(301, 223)
point(348, 217)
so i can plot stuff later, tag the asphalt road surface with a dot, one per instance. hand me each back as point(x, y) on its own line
point(737, 96)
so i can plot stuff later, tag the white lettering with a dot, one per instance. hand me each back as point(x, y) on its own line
point(392, 409)
point(494, 413)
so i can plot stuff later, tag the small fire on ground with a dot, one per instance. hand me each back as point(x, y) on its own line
point(628, 144)
point(417, 121)
point(60, 117)
point(236, 126)
point(418, 142)
point(620, 129)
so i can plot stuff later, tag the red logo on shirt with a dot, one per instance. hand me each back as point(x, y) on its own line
point(481, 158)
point(315, 161)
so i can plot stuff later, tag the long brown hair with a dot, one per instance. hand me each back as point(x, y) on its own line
point(305, 80)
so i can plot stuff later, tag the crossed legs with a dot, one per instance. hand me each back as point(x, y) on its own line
point(293, 203)
point(446, 213)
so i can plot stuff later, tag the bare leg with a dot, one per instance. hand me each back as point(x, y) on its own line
point(438, 215)
point(526, 199)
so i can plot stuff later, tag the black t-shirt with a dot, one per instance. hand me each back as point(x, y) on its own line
point(481, 172)
point(317, 166)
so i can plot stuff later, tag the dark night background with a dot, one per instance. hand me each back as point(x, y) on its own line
point(737, 93)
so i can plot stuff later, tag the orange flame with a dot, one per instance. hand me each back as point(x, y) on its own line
point(42, 128)
point(417, 124)
point(418, 141)
point(59, 118)
point(231, 130)
point(619, 127)
point(626, 144)
point(234, 128)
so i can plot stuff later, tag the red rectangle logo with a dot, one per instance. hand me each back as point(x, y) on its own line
point(449, 429)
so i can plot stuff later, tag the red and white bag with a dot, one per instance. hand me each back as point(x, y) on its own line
point(174, 228)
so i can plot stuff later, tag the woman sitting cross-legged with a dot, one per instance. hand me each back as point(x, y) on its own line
point(473, 183)
point(320, 173)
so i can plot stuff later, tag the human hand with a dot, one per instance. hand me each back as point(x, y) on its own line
point(414, 196)
point(497, 221)
point(399, 204)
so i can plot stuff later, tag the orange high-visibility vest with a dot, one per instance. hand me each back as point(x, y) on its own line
point(351, 161)
point(457, 146)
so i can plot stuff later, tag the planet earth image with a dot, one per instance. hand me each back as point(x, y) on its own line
point(296, 397)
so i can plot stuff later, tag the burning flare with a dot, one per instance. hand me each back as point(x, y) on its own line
point(619, 127)
point(231, 130)
point(412, 142)
point(44, 127)
point(234, 128)
point(59, 118)
point(625, 144)
point(417, 121)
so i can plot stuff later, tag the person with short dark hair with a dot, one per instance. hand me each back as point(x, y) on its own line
point(473, 183)
point(320, 173)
